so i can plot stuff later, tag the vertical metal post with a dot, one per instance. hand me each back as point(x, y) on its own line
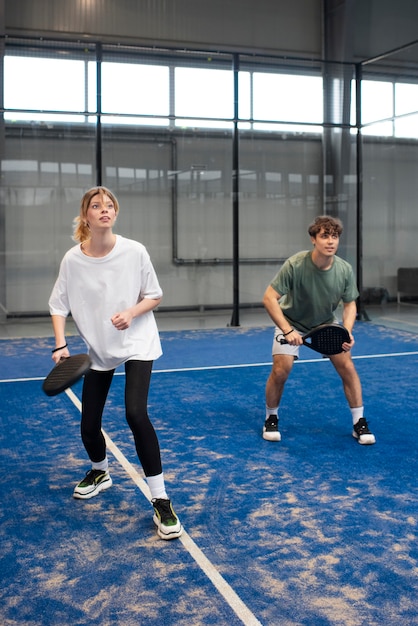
point(361, 313)
point(3, 309)
point(99, 164)
point(235, 201)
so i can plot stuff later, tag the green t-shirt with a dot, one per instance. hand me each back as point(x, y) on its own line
point(310, 295)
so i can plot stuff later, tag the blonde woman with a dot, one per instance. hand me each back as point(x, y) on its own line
point(109, 285)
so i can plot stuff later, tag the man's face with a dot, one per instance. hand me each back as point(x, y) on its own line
point(326, 243)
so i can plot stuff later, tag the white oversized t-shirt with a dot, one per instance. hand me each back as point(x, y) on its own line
point(94, 289)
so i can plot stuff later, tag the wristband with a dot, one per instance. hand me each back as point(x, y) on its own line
point(286, 334)
point(61, 348)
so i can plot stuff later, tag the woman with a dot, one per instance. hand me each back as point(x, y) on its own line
point(109, 285)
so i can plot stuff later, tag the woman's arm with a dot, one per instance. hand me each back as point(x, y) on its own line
point(58, 325)
point(123, 319)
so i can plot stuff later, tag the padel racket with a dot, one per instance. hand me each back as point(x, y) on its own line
point(68, 371)
point(326, 338)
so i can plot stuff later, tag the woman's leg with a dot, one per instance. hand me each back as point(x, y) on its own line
point(95, 389)
point(138, 377)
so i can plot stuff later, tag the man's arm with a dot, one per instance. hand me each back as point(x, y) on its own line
point(271, 304)
point(349, 318)
point(349, 315)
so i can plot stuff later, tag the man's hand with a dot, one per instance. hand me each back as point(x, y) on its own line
point(347, 346)
point(294, 338)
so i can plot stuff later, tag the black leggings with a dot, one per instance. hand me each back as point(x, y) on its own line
point(95, 390)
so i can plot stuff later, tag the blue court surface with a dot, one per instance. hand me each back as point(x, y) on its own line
point(315, 530)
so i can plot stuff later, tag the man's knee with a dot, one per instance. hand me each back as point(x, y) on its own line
point(348, 372)
point(279, 374)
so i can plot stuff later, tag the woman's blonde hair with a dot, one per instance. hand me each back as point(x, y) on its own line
point(81, 227)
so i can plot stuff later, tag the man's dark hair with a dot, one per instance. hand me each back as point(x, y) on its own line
point(330, 225)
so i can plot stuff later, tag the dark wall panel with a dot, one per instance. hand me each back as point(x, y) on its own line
point(291, 26)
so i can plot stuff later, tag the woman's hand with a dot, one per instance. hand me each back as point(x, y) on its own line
point(57, 355)
point(122, 321)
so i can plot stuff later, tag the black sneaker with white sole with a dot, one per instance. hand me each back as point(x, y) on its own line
point(167, 523)
point(362, 433)
point(271, 429)
point(92, 484)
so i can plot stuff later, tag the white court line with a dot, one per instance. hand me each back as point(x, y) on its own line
point(226, 591)
point(226, 367)
point(395, 319)
point(300, 361)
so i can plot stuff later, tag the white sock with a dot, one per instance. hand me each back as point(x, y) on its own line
point(103, 465)
point(157, 487)
point(270, 411)
point(357, 413)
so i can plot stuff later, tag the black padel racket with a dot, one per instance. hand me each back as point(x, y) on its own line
point(326, 339)
point(68, 371)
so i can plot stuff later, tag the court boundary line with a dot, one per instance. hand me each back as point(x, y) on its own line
point(269, 363)
point(223, 587)
point(397, 320)
point(231, 366)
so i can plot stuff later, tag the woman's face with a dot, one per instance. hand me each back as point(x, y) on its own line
point(101, 213)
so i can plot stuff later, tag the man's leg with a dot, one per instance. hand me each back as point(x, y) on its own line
point(344, 365)
point(282, 366)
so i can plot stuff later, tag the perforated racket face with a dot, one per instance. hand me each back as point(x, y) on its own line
point(66, 374)
point(328, 339)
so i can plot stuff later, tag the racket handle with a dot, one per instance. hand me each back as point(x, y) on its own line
point(283, 341)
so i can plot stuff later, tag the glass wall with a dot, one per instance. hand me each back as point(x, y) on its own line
point(390, 164)
point(167, 130)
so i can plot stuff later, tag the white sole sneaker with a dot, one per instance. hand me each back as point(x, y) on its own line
point(365, 440)
point(84, 493)
point(362, 433)
point(167, 523)
point(271, 435)
point(167, 533)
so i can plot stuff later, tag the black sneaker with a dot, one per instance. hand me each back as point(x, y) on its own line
point(362, 433)
point(167, 523)
point(271, 429)
point(93, 483)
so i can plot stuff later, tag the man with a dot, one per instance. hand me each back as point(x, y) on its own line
point(305, 293)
